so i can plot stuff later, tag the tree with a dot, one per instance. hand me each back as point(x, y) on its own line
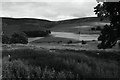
point(37, 33)
point(19, 38)
point(110, 33)
point(15, 38)
point(5, 39)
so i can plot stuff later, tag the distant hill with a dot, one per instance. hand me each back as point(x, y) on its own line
point(77, 25)
point(10, 25)
point(84, 19)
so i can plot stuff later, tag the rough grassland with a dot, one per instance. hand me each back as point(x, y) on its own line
point(58, 64)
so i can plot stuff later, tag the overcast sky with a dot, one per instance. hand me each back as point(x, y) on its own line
point(48, 9)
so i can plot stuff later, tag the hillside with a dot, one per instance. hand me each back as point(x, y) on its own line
point(84, 19)
point(10, 25)
point(77, 25)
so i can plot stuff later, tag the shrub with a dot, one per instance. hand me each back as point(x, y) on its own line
point(93, 29)
point(37, 33)
point(69, 42)
point(19, 38)
point(5, 39)
point(15, 38)
point(83, 42)
point(48, 31)
point(98, 28)
point(59, 42)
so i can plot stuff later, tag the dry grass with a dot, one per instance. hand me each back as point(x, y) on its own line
point(59, 64)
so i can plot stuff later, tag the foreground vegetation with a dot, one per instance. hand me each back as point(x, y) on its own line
point(58, 64)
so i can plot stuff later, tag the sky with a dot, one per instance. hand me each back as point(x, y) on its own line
point(48, 9)
point(108, 0)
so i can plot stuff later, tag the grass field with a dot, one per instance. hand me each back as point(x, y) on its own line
point(58, 64)
point(54, 40)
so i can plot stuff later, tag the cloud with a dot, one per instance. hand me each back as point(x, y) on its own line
point(48, 9)
point(107, 0)
point(48, 0)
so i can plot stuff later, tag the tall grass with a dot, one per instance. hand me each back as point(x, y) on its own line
point(31, 63)
point(17, 70)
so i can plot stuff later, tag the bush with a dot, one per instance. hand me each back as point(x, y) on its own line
point(15, 38)
point(59, 42)
point(37, 33)
point(19, 38)
point(93, 29)
point(83, 42)
point(5, 39)
point(98, 28)
point(69, 42)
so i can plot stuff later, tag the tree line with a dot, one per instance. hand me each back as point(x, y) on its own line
point(22, 37)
